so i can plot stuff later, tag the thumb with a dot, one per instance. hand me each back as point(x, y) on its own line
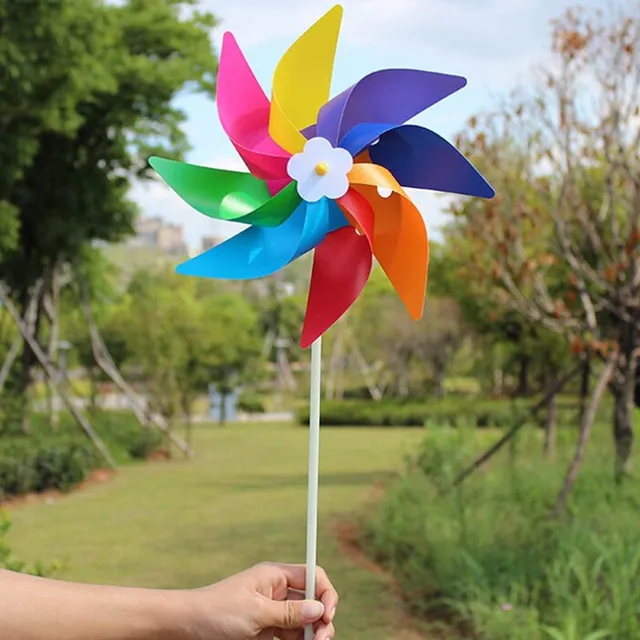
point(292, 614)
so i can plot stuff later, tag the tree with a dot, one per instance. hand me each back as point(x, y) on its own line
point(562, 239)
point(182, 342)
point(413, 356)
point(111, 86)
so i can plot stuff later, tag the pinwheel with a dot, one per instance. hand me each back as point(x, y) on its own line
point(326, 175)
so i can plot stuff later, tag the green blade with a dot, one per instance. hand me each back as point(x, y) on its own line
point(227, 195)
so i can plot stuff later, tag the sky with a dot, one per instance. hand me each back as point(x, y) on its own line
point(493, 43)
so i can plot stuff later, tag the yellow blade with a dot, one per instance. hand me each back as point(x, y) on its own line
point(302, 81)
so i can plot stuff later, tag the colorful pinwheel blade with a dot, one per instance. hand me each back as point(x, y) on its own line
point(400, 242)
point(227, 195)
point(261, 251)
point(302, 81)
point(422, 159)
point(391, 96)
point(244, 109)
point(359, 212)
point(341, 268)
point(337, 218)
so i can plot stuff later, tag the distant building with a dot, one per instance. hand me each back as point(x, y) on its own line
point(208, 242)
point(158, 234)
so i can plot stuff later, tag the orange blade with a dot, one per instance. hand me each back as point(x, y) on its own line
point(400, 242)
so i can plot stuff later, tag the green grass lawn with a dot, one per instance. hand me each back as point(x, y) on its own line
point(241, 501)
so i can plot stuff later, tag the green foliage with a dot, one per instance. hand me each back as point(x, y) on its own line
point(183, 342)
point(251, 403)
point(45, 460)
point(386, 413)
point(488, 554)
point(123, 65)
point(10, 562)
point(36, 464)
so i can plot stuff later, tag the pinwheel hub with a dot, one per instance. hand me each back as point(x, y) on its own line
point(320, 170)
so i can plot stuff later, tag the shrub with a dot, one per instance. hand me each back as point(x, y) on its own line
point(489, 554)
point(61, 460)
point(36, 464)
point(251, 403)
point(122, 432)
point(355, 413)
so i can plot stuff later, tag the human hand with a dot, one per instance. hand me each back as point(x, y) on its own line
point(263, 603)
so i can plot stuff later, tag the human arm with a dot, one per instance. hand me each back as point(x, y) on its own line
point(258, 603)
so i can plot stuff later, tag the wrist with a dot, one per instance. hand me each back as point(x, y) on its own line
point(170, 614)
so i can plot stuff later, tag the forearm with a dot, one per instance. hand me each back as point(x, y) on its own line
point(40, 609)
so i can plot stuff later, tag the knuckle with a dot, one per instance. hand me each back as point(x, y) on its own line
point(289, 614)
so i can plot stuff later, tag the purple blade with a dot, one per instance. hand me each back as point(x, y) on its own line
point(358, 138)
point(421, 159)
point(391, 96)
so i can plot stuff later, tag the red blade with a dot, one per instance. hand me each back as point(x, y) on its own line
point(341, 267)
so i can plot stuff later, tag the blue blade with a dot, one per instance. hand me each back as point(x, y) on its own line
point(422, 159)
point(261, 251)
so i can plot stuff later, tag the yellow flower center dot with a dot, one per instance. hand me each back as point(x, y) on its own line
point(321, 168)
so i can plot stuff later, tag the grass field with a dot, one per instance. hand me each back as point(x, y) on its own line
point(241, 501)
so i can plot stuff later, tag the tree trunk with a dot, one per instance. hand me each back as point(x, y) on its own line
point(189, 429)
point(93, 388)
point(585, 387)
point(623, 388)
point(623, 394)
point(223, 407)
point(51, 306)
point(105, 363)
point(30, 306)
point(439, 369)
point(497, 446)
point(365, 371)
point(585, 433)
point(550, 431)
point(54, 374)
point(523, 377)
point(13, 353)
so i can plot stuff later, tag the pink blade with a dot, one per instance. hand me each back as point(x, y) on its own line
point(341, 267)
point(244, 109)
point(276, 186)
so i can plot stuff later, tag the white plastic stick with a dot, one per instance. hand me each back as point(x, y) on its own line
point(314, 454)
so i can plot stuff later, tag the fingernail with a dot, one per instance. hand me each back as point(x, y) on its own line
point(312, 610)
point(332, 615)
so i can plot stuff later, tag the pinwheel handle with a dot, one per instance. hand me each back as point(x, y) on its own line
point(314, 458)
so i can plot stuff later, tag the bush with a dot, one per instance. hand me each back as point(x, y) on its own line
point(122, 433)
point(35, 464)
point(251, 403)
point(354, 413)
point(46, 460)
point(488, 554)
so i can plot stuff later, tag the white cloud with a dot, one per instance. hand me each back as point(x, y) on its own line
point(491, 40)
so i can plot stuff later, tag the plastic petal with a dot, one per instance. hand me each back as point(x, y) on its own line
point(244, 110)
point(227, 195)
point(422, 159)
point(341, 268)
point(390, 96)
point(258, 251)
point(400, 241)
point(302, 81)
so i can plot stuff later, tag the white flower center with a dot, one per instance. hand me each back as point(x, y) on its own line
point(320, 170)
